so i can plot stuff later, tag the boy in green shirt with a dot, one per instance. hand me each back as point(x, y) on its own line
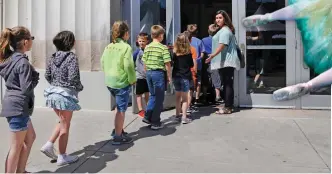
point(157, 60)
point(118, 66)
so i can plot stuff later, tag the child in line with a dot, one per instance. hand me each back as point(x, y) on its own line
point(118, 66)
point(193, 82)
point(157, 60)
point(63, 74)
point(215, 77)
point(182, 63)
point(141, 84)
point(18, 102)
point(199, 48)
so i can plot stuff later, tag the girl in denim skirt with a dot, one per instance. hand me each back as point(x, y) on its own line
point(63, 75)
point(18, 103)
point(182, 63)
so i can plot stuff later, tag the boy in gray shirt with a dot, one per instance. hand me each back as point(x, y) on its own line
point(141, 84)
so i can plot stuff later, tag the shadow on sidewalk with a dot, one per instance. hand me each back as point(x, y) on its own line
point(98, 155)
point(145, 131)
point(97, 159)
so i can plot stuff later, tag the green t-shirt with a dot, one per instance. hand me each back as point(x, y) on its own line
point(155, 56)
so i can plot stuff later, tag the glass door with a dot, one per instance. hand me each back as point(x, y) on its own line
point(146, 13)
point(270, 56)
point(320, 99)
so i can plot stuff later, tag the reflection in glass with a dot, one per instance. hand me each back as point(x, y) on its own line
point(266, 50)
point(266, 70)
point(153, 12)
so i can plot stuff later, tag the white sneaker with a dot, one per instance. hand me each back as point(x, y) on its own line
point(49, 152)
point(291, 92)
point(66, 159)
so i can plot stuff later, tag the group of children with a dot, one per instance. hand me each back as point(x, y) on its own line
point(150, 70)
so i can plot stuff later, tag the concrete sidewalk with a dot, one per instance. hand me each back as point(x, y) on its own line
point(257, 140)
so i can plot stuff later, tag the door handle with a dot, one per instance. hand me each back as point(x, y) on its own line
point(242, 48)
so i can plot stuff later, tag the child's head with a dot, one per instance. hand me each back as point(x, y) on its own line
point(192, 28)
point(142, 40)
point(182, 45)
point(212, 29)
point(188, 35)
point(15, 39)
point(120, 30)
point(64, 41)
point(157, 32)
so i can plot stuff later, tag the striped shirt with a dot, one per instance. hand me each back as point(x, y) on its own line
point(155, 56)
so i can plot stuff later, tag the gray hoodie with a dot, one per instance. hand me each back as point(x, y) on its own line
point(20, 80)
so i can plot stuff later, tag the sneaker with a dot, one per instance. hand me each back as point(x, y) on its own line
point(157, 126)
point(49, 151)
point(186, 120)
point(123, 132)
point(146, 121)
point(123, 139)
point(67, 160)
point(178, 117)
point(255, 20)
point(141, 113)
point(291, 92)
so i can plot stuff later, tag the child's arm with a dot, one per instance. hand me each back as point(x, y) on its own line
point(167, 61)
point(129, 66)
point(168, 69)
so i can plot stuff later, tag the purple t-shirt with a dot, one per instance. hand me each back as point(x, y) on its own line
point(198, 44)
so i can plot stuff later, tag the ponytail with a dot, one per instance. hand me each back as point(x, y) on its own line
point(119, 30)
point(5, 42)
point(11, 40)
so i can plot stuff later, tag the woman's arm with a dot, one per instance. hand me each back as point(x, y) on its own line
point(218, 50)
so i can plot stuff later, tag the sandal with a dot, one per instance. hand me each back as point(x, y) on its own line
point(223, 111)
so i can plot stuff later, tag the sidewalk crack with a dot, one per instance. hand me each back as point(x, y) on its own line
point(313, 147)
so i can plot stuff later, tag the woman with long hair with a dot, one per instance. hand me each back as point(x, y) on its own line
point(224, 57)
point(18, 103)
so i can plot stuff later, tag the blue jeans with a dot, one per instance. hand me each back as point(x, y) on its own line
point(156, 83)
point(121, 97)
point(18, 123)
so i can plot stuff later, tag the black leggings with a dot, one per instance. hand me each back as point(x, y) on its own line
point(227, 79)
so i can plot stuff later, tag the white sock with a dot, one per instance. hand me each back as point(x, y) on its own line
point(62, 156)
point(49, 144)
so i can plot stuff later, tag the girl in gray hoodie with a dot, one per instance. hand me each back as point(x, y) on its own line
point(17, 105)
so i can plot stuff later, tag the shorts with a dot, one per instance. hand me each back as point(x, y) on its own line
point(121, 97)
point(181, 85)
point(18, 123)
point(141, 86)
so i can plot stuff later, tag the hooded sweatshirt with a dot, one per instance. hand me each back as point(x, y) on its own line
point(62, 70)
point(20, 80)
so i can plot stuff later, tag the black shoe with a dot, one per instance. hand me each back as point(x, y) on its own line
point(146, 121)
point(123, 132)
point(157, 126)
point(123, 139)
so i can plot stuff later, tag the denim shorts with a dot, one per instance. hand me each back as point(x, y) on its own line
point(181, 85)
point(121, 97)
point(18, 123)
